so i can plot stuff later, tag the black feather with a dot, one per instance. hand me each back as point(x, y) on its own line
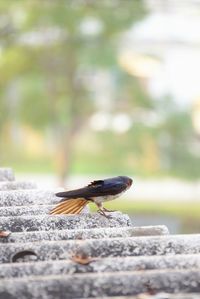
point(112, 186)
point(96, 183)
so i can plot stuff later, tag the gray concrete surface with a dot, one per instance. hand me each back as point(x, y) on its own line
point(25, 210)
point(160, 295)
point(30, 210)
point(92, 233)
point(98, 285)
point(27, 197)
point(6, 174)
point(112, 247)
point(88, 255)
point(100, 265)
point(49, 222)
point(7, 186)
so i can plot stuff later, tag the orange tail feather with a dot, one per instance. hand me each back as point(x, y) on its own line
point(62, 206)
point(71, 206)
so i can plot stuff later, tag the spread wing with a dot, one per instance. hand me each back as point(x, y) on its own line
point(95, 189)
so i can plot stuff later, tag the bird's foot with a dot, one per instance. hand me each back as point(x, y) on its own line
point(106, 210)
point(101, 212)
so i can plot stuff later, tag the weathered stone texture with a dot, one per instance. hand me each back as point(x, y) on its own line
point(27, 197)
point(6, 174)
point(7, 186)
point(49, 222)
point(87, 255)
point(82, 234)
point(96, 265)
point(113, 247)
point(94, 285)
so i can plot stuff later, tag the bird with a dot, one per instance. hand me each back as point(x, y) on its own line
point(98, 192)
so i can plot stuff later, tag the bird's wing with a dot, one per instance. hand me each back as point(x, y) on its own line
point(95, 189)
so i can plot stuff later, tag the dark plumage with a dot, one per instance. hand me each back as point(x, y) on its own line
point(97, 191)
point(106, 187)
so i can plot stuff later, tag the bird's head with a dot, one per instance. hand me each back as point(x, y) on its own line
point(126, 180)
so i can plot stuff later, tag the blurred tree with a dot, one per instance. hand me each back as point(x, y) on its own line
point(48, 46)
point(178, 146)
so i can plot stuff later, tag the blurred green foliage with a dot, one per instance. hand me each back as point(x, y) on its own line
point(187, 213)
point(47, 50)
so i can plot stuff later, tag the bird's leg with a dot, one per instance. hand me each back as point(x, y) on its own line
point(106, 210)
point(101, 210)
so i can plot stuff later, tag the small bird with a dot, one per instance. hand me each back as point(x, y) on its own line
point(97, 192)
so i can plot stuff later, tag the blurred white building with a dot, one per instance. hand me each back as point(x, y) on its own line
point(167, 43)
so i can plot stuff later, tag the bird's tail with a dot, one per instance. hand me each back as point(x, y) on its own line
point(70, 206)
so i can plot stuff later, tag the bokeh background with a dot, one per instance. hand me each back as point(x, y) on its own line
point(91, 89)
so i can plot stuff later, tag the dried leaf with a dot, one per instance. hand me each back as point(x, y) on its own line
point(82, 260)
point(4, 234)
point(150, 289)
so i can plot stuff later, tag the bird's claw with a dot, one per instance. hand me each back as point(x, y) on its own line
point(106, 210)
point(102, 213)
